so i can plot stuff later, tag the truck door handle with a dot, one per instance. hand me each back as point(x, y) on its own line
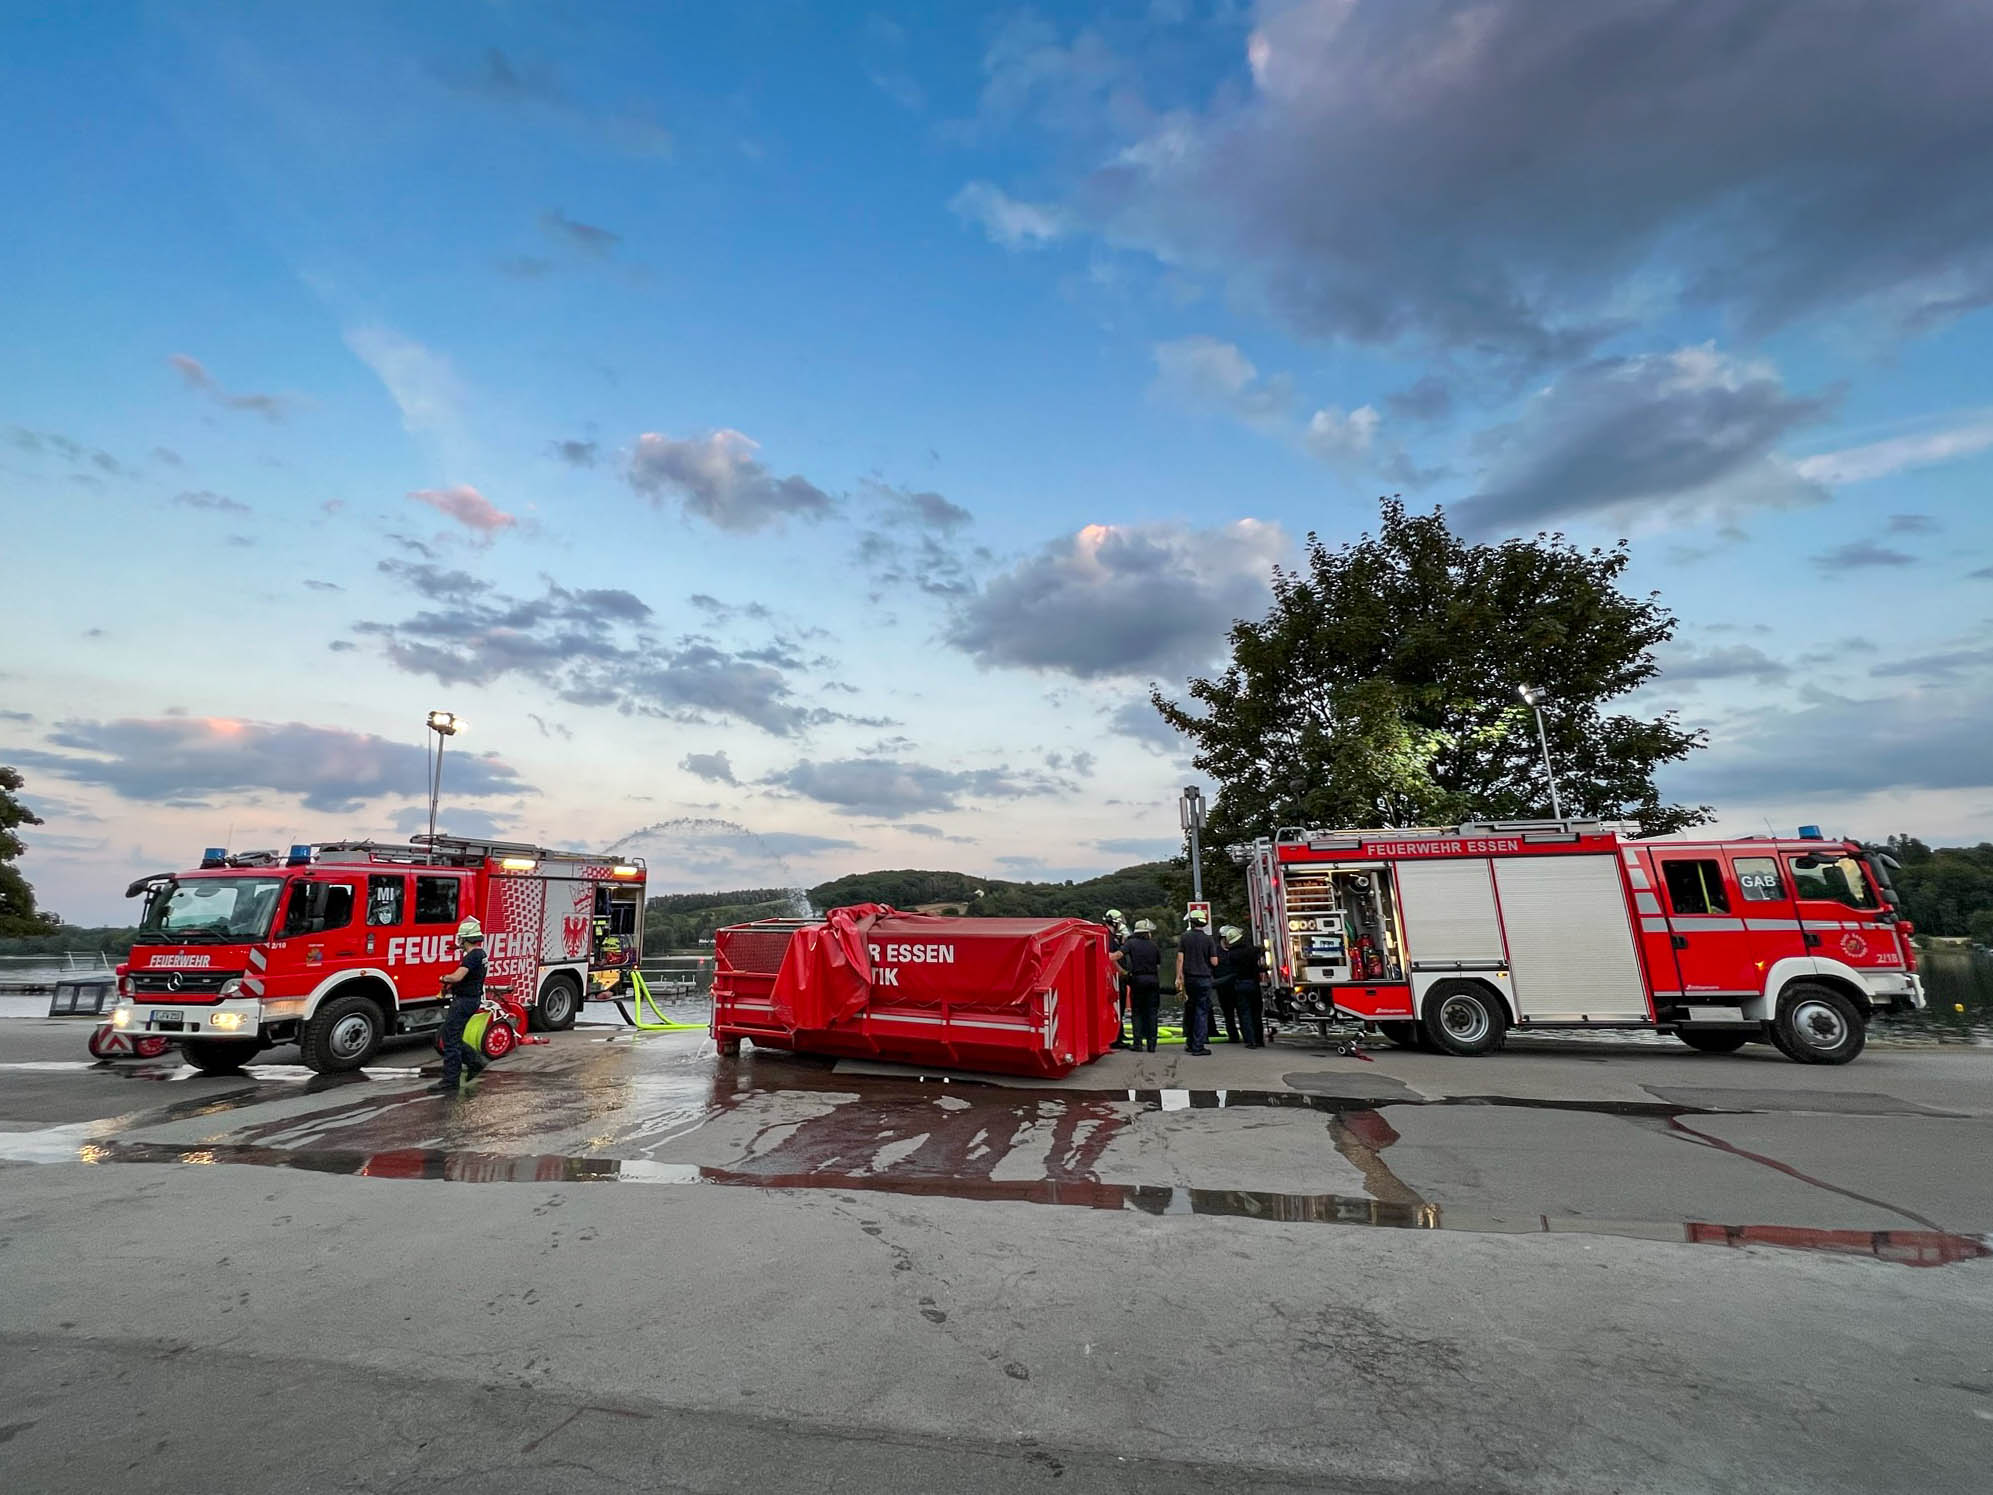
point(1680, 941)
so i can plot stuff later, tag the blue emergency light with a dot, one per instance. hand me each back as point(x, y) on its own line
point(1810, 833)
point(215, 856)
point(300, 857)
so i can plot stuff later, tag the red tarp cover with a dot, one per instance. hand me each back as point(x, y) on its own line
point(924, 987)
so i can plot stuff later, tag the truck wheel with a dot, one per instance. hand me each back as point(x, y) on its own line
point(1464, 1019)
point(559, 1002)
point(343, 1035)
point(1403, 1035)
point(1715, 1041)
point(1817, 1025)
point(219, 1056)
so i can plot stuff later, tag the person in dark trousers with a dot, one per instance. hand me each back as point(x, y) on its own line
point(1243, 962)
point(1117, 933)
point(466, 987)
point(1224, 991)
point(1142, 959)
point(1196, 971)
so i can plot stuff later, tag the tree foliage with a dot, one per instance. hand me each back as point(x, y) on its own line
point(1381, 688)
point(18, 915)
point(1946, 891)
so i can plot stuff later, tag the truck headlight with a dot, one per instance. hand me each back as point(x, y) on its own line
point(121, 1017)
point(231, 988)
point(228, 1022)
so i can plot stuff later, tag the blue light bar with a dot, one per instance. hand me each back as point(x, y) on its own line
point(300, 856)
point(215, 856)
point(1810, 833)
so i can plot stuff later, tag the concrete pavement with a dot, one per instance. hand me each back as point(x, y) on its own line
point(807, 1275)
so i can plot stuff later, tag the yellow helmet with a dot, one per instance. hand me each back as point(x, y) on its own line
point(469, 931)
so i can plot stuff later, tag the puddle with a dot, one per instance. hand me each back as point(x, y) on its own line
point(1915, 1248)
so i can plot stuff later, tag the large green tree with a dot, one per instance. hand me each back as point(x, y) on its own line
point(1381, 688)
point(17, 900)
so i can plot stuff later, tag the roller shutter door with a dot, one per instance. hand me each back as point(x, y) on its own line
point(1449, 913)
point(1571, 950)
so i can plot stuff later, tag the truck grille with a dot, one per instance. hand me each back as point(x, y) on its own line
point(191, 986)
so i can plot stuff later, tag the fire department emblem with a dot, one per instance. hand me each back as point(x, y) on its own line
point(1853, 945)
point(574, 931)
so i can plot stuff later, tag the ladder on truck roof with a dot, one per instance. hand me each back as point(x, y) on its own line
point(1294, 835)
point(458, 851)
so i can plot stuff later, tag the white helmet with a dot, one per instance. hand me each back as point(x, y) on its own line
point(470, 932)
point(1145, 926)
point(1230, 933)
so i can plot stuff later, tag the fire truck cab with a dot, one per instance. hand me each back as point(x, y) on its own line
point(1454, 937)
point(339, 945)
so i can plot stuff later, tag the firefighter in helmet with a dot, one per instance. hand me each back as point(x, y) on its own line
point(465, 985)
point(1117, 935)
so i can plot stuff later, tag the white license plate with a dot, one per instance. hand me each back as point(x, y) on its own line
point(169, 1017)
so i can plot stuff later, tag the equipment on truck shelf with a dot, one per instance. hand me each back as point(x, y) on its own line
point(339, 944)
point(1455, 936)
point(1014, 996)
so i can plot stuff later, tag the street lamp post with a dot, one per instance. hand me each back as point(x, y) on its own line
point(1534, 696)
point(1191, 807)
point(443, 724)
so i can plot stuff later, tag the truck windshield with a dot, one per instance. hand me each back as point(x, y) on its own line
point(211, 908)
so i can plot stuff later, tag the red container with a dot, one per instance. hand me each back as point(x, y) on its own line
point(1012, 996)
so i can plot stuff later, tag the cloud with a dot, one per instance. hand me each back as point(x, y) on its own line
point(1140, 721)
point(1728, 662)
point(583, 236)
point(205, 498)
point(1427, 398)
point(1928, 737)
point(1880, 459)
point(1208, 372)
point(1121, 599)
point(179, 759)
point(1142, 848)
point(22, 717)
point(1913, 524)
point(525, 266)
point(551, 729)
point(1945, 665)
point(271, 407)
point(499, 77)
point(574, 453)
point(166, 456)
point(928, 510)
point(712, 767)
point(889, 788)
point(1008, 222)
point(718, 478)
point(589, 646)
point(421, 381)
point(1508, 177)
point(452, 820)
point(1861, 555)
point(1664, 435)
point(468, 507)
point(323, 586)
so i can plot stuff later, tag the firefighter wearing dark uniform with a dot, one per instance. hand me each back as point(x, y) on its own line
point(1142, 959)
point(1196, 973)
point(466, 984)
point(1117, 932)
point(1243, 959)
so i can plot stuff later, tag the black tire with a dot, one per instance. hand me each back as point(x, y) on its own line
point(1403, 1035)
point(559, 1005)
point(1464, 1018)
point(220, 1056)
point(1714, 1040)
point(1817, 1025)
point(342, 1035)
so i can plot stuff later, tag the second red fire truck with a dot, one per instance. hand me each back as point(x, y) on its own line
point(1455, 937)
point(339, 945)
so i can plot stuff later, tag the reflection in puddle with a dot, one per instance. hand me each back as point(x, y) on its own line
point(1916, 1248)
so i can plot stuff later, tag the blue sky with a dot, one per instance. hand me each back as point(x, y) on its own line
point(827, 422)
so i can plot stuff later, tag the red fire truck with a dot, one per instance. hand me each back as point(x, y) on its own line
point(1455, 937)
point(339, 945)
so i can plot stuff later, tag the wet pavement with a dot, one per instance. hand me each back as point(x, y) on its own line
point(1652, 1164)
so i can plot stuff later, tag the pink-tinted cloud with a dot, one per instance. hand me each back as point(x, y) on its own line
point(467, 506)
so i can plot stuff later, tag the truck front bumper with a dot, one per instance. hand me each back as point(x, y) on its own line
point(241, 1017)
point(1894, 991)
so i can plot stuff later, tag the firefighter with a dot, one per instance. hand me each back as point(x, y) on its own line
point(466, 984)
point(1243, 961)
point(1142, 960)
point(1196, 971)
point(1117, 934)
point(1224, 990)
